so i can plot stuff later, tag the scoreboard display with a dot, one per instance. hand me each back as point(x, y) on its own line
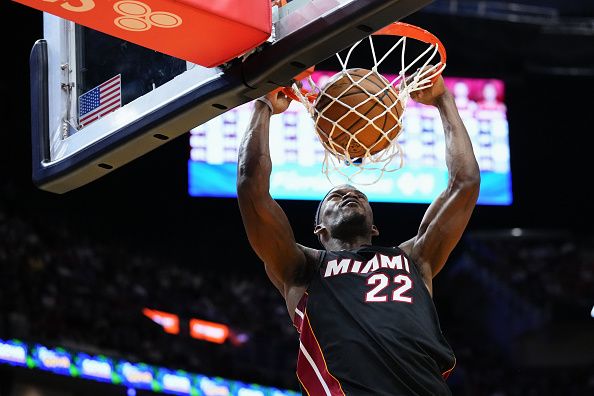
point(297, 154)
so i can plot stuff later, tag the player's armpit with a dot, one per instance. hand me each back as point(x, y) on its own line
point(443, 226)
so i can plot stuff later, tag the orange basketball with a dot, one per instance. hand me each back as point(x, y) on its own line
point(352, 115)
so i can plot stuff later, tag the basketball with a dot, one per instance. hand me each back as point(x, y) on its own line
point(354, 110)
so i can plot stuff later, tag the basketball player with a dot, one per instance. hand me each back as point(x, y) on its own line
point(367, 322)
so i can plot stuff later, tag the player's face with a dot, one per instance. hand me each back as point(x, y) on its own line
point(345, 205)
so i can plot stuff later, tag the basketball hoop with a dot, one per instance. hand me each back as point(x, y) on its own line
point(412, 75)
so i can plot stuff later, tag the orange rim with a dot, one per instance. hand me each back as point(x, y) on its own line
point(304, 74)
point(311, 97)
point(415, 32)
point(288, 91)
point(393, 29)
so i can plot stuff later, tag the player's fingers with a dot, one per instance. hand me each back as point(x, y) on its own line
point(416, 94)
point(284, 98)
point(279, 95)
point(419, 74)
point(282, 101)
point(287, 103)
point(273, 96)
point(408, 80)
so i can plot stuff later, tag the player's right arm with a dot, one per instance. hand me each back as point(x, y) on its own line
point(287, 263)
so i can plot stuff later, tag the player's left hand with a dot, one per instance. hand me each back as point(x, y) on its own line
point(429, 95)
point(280, 102)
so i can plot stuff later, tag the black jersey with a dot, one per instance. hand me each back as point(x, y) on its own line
point(368, 326)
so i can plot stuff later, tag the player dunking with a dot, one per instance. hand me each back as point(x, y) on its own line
point(367, 322)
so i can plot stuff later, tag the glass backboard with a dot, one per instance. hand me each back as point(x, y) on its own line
point(99, 102)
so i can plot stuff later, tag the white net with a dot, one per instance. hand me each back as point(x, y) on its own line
point(358, 114)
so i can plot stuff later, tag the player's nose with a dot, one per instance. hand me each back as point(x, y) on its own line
point(350, 194)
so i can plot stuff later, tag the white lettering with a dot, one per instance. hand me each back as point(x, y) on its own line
point(391, 262)
point(85, 5)
point(372, 265)
point(397, 295)
point(335, 268)
point(380, 281)
point(356, 266)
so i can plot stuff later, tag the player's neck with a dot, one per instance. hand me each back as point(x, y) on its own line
point(341, 244)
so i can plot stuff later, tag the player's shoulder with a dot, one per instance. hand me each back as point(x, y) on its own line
point(313, 259)
point(312, 256)
point(367, 248)
point(407, 246)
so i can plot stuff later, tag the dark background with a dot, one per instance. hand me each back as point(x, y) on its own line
point(144, 207)
point(550, 118)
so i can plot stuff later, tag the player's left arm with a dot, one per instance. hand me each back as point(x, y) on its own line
point(447, 217)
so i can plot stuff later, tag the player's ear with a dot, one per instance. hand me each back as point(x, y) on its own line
point(374, 230)
point(318, 229)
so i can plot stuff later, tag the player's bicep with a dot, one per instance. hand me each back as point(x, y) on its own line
point(271, 237)
point(443, 226)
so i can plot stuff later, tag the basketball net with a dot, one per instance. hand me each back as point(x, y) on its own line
point(419, 73)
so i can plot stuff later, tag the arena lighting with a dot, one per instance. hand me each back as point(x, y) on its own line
point(517, 232)
point(208, 331)
point(592, 312)
point(56, 360)
point(168, 321)
point(13, 352)
point(131, 375)
point(199, 329)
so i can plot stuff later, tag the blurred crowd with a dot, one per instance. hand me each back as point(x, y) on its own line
point(552, 269)
point(60, 287)
point(498, 294)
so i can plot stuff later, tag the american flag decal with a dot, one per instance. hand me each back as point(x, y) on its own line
point(99, 101)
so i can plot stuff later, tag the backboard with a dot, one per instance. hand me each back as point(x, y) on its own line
point(149, 98)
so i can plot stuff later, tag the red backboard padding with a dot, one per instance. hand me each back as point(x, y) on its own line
point(205, 32)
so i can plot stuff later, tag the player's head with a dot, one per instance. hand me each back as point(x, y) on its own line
point(344, 214)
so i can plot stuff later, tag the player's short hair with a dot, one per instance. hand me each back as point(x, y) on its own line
point(319, 210)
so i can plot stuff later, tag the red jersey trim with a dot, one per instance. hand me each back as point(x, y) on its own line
point(447, 373)
point(312, 370)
